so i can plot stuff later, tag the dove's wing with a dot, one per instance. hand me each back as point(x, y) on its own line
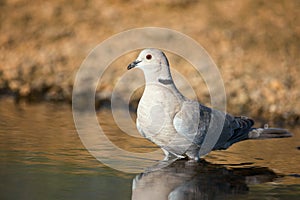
point(192, 121)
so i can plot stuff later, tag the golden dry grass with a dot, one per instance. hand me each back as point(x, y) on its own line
point(255, 43)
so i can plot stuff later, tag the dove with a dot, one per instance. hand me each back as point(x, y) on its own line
point(181, 126)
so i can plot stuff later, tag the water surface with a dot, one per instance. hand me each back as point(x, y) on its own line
point(42, 157)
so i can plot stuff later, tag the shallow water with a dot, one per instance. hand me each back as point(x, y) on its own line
point(42, 157)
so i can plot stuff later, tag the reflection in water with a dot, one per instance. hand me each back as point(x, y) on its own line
point(191, 180)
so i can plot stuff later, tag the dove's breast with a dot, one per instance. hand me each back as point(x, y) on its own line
point(156, 111)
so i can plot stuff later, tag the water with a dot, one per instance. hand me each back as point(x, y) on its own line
point(42, 157)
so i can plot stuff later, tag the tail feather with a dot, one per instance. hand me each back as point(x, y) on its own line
point(265, 133)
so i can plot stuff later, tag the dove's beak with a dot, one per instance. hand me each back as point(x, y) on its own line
point(133, 64)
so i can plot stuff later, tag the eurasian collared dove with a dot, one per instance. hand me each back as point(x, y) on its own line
point(181, 126)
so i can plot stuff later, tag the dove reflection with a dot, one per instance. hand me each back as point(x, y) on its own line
point(193, 180)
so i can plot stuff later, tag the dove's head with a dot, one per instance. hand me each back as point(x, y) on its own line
point(150, 59)
point(154, 64)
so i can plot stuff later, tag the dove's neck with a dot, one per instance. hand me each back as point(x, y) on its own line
point(161, 77)
point(154, 75)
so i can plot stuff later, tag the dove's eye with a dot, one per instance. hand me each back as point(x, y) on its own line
point(148, 57)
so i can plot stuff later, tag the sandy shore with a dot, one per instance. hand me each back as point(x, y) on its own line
point(255, 44)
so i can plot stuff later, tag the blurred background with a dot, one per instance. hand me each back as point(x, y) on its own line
point(254, 43)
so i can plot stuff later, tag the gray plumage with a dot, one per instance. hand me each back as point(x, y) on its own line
point(183, 127)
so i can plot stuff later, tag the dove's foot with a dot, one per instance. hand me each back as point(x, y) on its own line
point(169, 155)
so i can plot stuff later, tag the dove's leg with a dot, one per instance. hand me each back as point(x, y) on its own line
point(169, 155)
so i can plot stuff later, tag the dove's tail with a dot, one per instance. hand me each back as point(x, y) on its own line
point(265, 133)
point(244, 131)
